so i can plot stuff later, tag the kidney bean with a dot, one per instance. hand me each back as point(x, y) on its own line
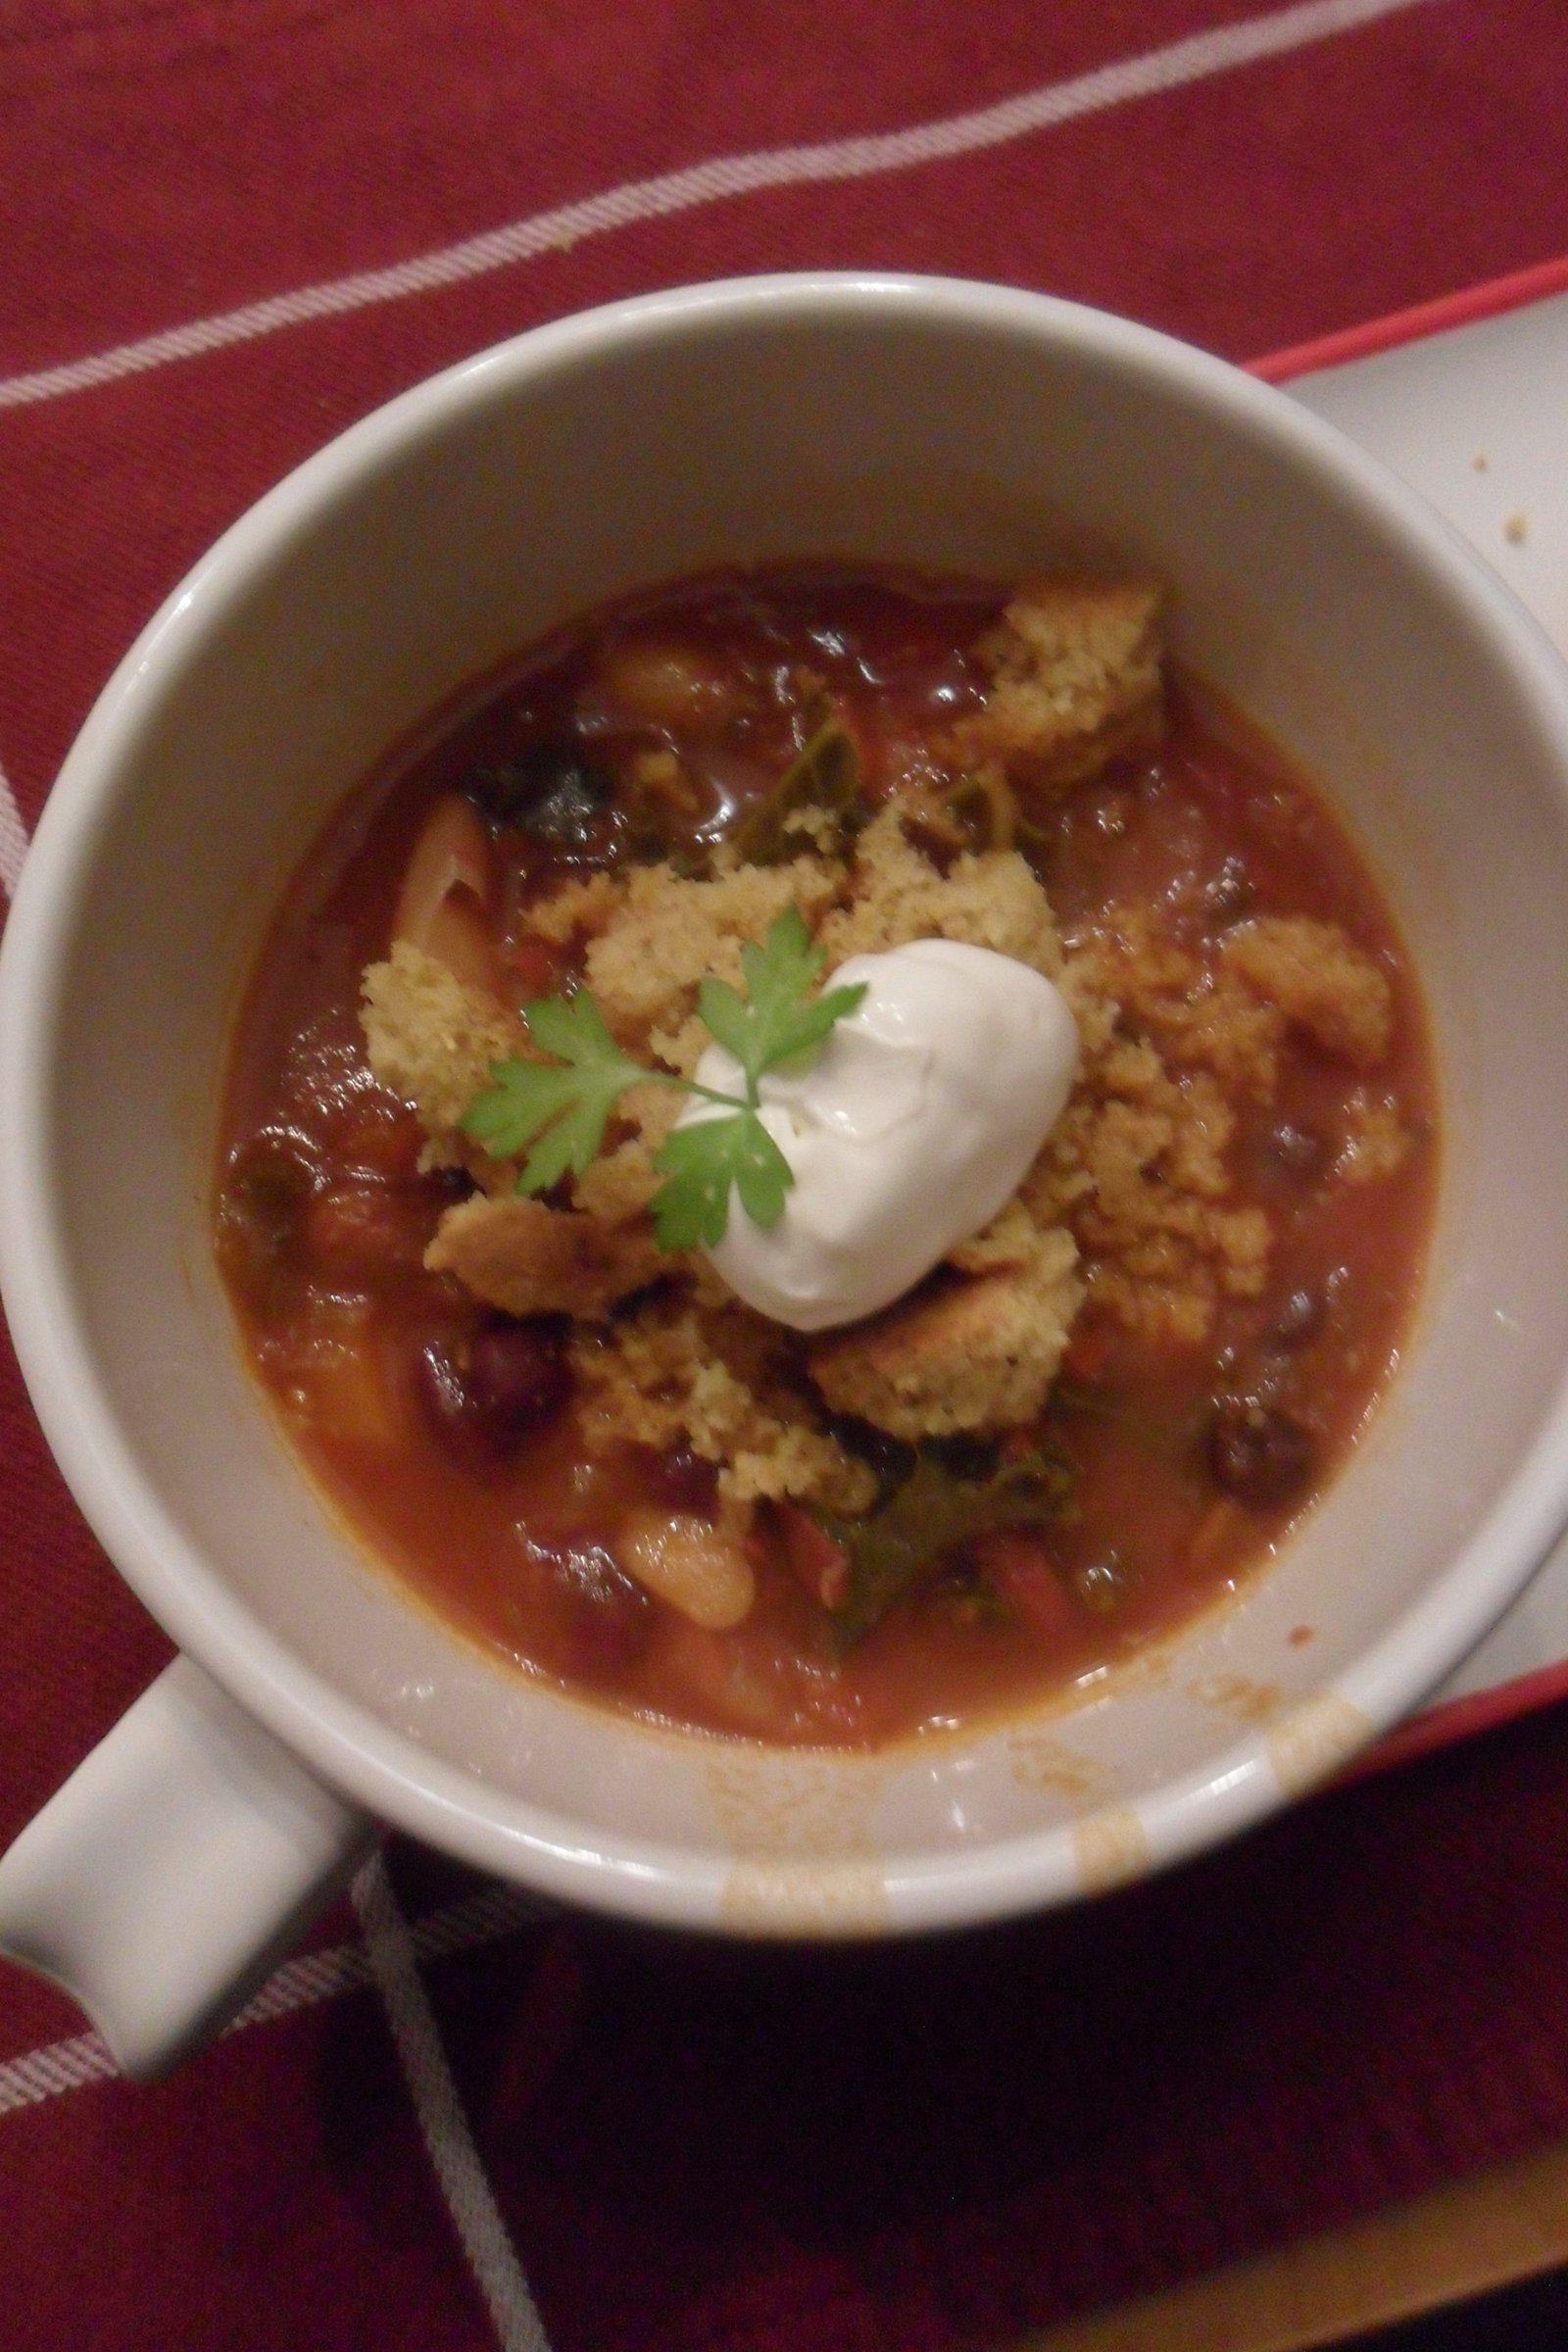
point(1258, 1453)
point(518, 1372)
point(443, 1397)
point(548, 789)
point(485, 1392)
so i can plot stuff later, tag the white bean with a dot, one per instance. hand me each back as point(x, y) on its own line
point(673, 685)
point(700, 1570)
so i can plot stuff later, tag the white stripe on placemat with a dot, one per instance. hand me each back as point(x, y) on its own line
point(42, 2074)
point(13, 837)
point(1193, 59)
point(453, 2154)
point(482, 1918)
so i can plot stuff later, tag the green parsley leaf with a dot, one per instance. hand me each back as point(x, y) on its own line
point(778, 1019)
point(561, 1108)
point(703, 1161)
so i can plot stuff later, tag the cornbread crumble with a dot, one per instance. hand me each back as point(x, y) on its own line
point(1130, 1203)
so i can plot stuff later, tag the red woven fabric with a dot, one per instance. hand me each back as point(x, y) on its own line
point(694, 2149)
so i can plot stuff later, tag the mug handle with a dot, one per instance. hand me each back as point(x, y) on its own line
point(178, 1864)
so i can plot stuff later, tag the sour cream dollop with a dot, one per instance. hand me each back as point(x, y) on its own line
point(909, 1130)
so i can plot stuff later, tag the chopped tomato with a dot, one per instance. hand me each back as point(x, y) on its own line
point(1018, 1566)
point(814, 1559)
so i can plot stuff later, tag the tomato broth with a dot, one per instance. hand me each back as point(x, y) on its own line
point(1184, 1460)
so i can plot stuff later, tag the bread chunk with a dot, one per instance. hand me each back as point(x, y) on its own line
point(1076, 681)
point(530, 1260)
point(1137, 1165)
point(669, 935)
point(979, 1354)
point(1199, 1020)
point(714, 1378)
point(584, 907)
point(1319, 979)
point(986, 900)
point(431, 1038)
point(1377, 1143)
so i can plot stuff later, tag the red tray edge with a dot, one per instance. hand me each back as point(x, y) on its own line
point(1489, 300)
point(1477, 1711)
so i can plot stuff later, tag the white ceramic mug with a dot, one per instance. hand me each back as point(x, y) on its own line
point(946, 425)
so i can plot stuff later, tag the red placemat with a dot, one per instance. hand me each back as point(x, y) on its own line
point(229, 230)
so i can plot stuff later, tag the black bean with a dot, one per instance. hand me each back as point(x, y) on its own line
point(549, 790)
point(1258, 1453)
point(966, 1456)
point(891, 1459)
point(571, 813)
point(452, 1184)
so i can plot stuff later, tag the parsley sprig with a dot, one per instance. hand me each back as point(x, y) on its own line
point(556, 1111)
